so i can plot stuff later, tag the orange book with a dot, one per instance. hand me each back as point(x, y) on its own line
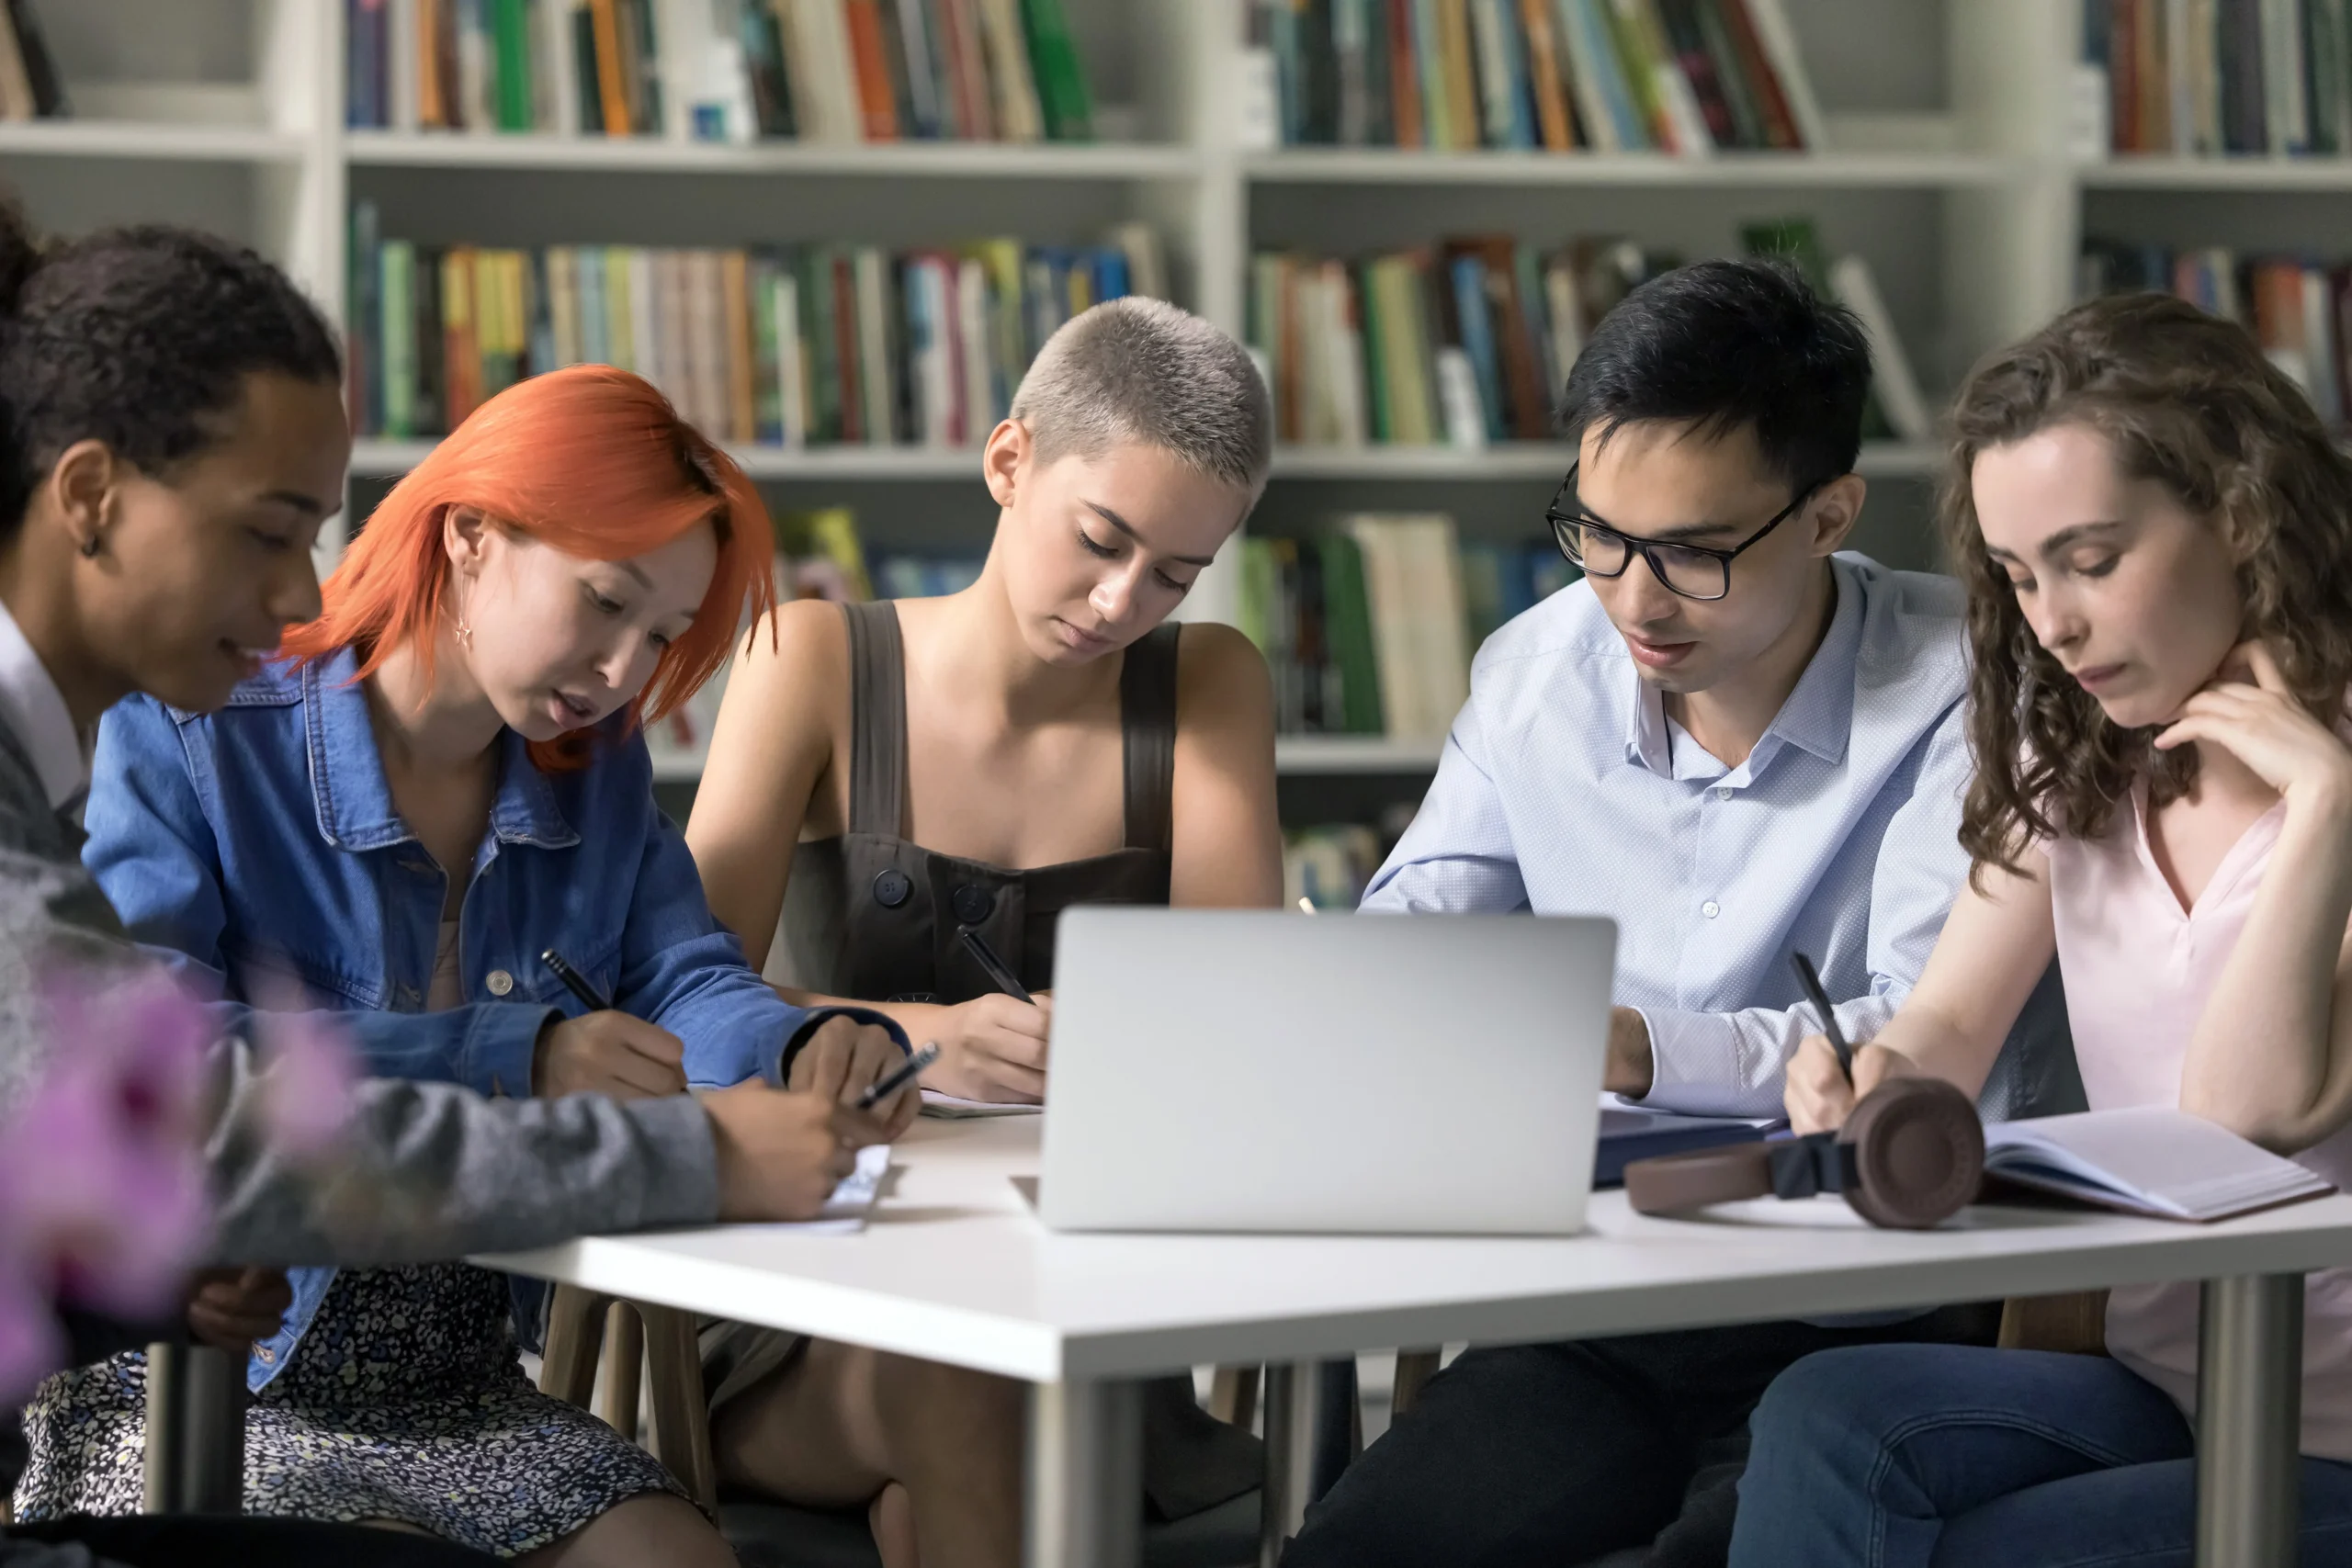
point(742, 401)
point(1543, 66)
point(874, 92)
point(1404, 76)
point(612, 85)
point(432, 109)
point(460, 352)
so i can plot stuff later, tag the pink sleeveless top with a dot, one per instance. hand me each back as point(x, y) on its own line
point(2138, 970)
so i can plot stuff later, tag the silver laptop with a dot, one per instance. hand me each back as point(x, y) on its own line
point(1223, 1070)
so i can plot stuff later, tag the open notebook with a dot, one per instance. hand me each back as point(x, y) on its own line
point(853, 1200)
point(2146, 1160)
point(956, 1108)
point(1630, 1131)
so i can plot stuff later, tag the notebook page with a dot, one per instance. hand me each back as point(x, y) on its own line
point(845, 1211)
point(955, 1106)
point(2153, 1158)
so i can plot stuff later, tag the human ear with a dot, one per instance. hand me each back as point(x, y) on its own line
point(1835, 509)
point(81, 487)
point(465, 537)
point(1006, 455)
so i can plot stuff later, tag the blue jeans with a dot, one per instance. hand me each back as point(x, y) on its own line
point(1932, 1456)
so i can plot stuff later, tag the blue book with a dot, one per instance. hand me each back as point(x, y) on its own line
point(1110, 274)
point(1629, 1133)
point(1595, 43)
point(1478, 340)
point(1518, 83)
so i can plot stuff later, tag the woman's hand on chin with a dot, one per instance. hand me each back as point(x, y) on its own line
point(2248, 710)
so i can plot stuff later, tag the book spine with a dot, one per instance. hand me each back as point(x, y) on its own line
point(514, 65)
point(741, 347)
point(1060, 78)
point(395, 341)
point(880, 114)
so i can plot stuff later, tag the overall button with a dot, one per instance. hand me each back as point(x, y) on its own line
point(973, 904)
point(500, 982)
point(891, 887)
point(1710, 908)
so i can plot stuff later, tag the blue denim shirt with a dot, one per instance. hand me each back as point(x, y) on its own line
point(258, 851)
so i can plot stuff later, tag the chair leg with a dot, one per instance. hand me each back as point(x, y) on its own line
point(1414, 1368)
point(575, 1336)
point(624, 1368)
point(681, 1417)
point(1233, 1396)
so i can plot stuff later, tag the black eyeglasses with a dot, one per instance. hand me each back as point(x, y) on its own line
point(1692, 570)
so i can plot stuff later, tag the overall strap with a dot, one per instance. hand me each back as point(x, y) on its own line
point(877, 720)
point(1148, 729)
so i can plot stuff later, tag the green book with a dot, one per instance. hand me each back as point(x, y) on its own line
point(1346, 634)
point(1061, 78)
point(1429, 59)
point(1261, 593)
point(816, 269)
point(1482, 592)
point(398, 338)
point(1375, 353)
point(510, 33)
point(1794, 238)
point(768, 394)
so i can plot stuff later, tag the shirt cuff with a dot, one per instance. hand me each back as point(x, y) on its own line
point(780, 1072)
point(502, 1044)
point(1697, 1067)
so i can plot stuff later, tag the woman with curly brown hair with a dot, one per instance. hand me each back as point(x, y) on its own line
point(2156, 536)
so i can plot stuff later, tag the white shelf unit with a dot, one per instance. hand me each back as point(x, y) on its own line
point(1950, 168)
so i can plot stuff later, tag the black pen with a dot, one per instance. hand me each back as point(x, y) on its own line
point(914, 1064)
point(1811, 981)
point(1006, 981)
point(574, 982)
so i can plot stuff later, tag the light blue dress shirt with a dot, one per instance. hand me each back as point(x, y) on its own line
point(1564, 789)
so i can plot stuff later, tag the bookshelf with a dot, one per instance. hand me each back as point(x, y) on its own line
point(1952, 163)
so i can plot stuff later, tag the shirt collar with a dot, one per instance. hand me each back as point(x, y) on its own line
point(35, 712)
point(355, 800)
point(1817, 717)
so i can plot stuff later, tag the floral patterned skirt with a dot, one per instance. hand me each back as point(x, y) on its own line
point(403, 1400)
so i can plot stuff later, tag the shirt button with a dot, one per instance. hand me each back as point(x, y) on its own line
point(1710, 908)
point(1722, 792)
point(500, 982)
point(973, 904)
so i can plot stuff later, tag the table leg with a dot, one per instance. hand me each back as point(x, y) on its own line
point(195, 1431)
point(2249, 1421)
point(1085, 1475)
point(1302, 1416)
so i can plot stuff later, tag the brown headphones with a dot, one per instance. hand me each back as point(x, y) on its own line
point(1908, 1158)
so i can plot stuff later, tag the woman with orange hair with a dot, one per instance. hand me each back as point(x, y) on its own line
point(437, 781)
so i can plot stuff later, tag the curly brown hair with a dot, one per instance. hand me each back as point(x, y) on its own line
point(2187, 401)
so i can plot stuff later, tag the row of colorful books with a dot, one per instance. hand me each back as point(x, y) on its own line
point(804, 347)
point(2203, 77)
point(820, 555)
point(1602, 75)
point(2299, 309)
point(1470, 341)
point(720, 70)
point(1368, 626)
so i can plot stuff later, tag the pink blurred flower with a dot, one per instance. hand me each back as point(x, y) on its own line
point(312, 1071)
point(102, 1179)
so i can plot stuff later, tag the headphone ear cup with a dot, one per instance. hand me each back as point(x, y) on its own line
point(1918, 1153)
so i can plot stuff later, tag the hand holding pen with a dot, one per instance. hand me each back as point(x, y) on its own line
point(604, 1052)
point(1825, 1076)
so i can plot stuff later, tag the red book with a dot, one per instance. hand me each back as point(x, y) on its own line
point(1779, 125)
point(874, 94)
point(1405, 75)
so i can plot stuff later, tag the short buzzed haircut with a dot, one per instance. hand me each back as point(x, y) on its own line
point(1144, 371)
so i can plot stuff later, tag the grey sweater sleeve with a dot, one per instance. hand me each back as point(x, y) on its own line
point(429, 1170)
point(425, 1171)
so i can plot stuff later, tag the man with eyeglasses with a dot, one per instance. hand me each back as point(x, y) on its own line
point(1739, 744)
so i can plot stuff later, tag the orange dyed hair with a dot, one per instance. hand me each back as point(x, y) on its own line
point(591, 461)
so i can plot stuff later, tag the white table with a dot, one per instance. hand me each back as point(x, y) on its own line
point(955, 1268)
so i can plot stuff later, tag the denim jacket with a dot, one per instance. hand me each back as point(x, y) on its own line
point(258, 852)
